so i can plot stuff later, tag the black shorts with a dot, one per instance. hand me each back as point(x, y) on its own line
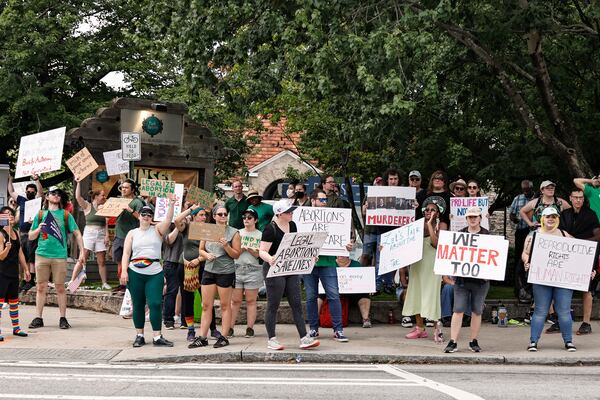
point(221, 280)
point(355, 297)
point(28, 246)
point(9, 288)
point(117, 249)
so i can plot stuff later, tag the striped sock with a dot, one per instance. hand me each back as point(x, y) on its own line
point(13, 309)
point(189, 321)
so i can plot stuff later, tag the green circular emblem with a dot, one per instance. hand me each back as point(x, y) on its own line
point(102, 176)
point(152, 125)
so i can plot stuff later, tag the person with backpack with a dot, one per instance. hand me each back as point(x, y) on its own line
point(531, 212)
point(50, 227)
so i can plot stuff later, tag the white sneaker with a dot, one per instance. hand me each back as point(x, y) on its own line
point(407, 322)
point(106, 286)
point(307, 342)
point(177, 320)
point(274, 344)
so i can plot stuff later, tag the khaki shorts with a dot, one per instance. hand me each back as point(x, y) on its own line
point(44, 266)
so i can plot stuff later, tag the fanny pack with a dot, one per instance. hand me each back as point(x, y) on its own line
point(143, 262)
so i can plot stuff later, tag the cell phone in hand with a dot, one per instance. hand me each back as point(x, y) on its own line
point(4, 222)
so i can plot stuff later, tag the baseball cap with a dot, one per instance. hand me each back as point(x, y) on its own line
point(147, 210)
point(473, 212)
point(414, 173)
point(546, 183)
point(549, 211)
point(282, 206)
point(251, 211)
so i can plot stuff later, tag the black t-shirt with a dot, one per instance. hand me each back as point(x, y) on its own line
point(580, 225)
point(423, 195)
point(274, 235)
point(9, 267)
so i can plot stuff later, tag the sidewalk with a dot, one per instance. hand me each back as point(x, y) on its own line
point(101, 337)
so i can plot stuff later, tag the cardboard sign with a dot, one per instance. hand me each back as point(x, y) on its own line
point(562, 262)
point(297, 253)
point(201, 197)
point(390, 205)
point(31, 208)
point(157, 188)
point(162, 204)
point(131, 146)
point(21, 187)
point(113, 207)
point(336, 222)
point(207, 232)
point(186, 176)
point(82, 164)
point(40, 152)
point(458, 209)
point(471, 255)
point(115, 165)
point(401, 247)
point(356, 280)
point(250, 242)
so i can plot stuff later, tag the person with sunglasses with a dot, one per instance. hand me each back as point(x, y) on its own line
point(218, 277)
point(458, 188)
point(473, 189)
point(437, 187)
point(144, 275)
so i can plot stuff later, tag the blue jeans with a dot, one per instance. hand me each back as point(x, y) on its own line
point(386, 279)
point(171, 276)
point(447, 298)
point(328, 277)
point(543, 296)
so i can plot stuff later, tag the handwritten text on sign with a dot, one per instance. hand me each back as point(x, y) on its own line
point(471, 255)
point(156, 188)
point(201, 197)
point(401, 247)
point(250, 242)
point(297, 253)
point(335, 221)
point(115, 165)
point(162, 204)
point(562, 262)
point(40, 152)
point(390, 205)
point(82, 164)
point(356, 280)
point(113, 207)
point(458, 209)
point(207, 232)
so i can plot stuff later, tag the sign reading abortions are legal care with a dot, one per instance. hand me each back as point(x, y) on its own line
point(471, 255)
point(458, 209)
point(40, 152)
point(82, 164)
point(390, 205)
point(157, 188)
point(297, 253)
point(562, 261)
point(336, 222)
point(401, 247)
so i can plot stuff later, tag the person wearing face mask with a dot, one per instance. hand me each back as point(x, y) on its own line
point(32, 191)
point(300, 197)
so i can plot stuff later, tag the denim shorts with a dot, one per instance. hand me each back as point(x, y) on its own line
point(473, 292)
point(248, 276)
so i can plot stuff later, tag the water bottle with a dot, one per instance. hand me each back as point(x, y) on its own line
point(502, 316)
point(494, 315)
point(391, 318)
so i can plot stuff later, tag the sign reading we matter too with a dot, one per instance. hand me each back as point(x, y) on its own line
point(40, 152)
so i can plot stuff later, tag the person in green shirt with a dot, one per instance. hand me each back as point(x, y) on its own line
point(591, 191)
point(236, 205)
point(51, 254)
point(264, 210)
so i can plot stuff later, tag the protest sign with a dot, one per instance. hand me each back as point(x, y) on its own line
point(115, 165)
point(335, 221)
point(31, 208)
point(297, 253)
point(250, 242)
point(157, 188)
point(356, 280)
point(82, 164)
point(21, 187)
point(207, 232)
point(390, 205)
point(401, 247)
point(201, 197)
point(40, 152)
point(162, 204)
point(471, 255)
point(561, 261)
point(458, 209)
point(113, 207)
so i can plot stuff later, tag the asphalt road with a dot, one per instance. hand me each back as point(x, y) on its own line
point(30, 380)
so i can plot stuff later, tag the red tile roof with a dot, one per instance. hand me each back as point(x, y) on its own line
point(272, 141)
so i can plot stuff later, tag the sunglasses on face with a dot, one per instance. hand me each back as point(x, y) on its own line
point(146, 214)
point(54, 193)
point(459, 189)
point(441, 178)
point(430, 210)
point(221, 214)
point(247, 217)
point(322, 200)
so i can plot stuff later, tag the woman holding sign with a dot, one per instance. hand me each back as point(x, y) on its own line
point(544, 295)
point(423, 293)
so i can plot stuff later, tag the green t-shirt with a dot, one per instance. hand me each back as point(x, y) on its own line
point(265, 215)
point(48, 244)
point(235, 209)
point(593, 195)
point(126, 221)
point(326, 261)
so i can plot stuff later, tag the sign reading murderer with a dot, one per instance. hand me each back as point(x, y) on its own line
point(401, 247)
point(131, 146)
point(471, 255)
point(356, 280)
point(390, 205)
point(335, 221)
point(162, 204)
point(201, 197)
point(113, 207)
point(297, 253)
point(458, 209)
point(115, 165)
point(561, 261)
point(157, 188)
point(206, 232)
point(82, 164)
point(40, 152)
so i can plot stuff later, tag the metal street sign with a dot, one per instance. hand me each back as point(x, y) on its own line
point(131, 146)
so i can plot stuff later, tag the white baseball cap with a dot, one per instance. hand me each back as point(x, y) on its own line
point(282, 206)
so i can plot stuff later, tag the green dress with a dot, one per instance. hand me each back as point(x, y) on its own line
point(423, 293)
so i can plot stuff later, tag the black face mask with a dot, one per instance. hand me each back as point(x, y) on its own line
point(30, 195)
point(299, 195)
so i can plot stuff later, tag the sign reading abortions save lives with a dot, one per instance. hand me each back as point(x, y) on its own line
point(297, 253)
point(561, 261)
point(471, 255)
point(458, 209)
point(335, 221)
point(40, 152)
point(401, 247)
point(390, 205)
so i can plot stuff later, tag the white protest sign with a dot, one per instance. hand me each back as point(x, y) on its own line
point(21, 187)
point(335, 221)
point(471, 255)
point(40, 152)
point(561, 262)
point(458, 209)
point(401, 247)
point(356, 280)
point(297, 253)
point(115, 165)
point(390, 205)
point(31, 208)
point(162, 204)
point(131, 146)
